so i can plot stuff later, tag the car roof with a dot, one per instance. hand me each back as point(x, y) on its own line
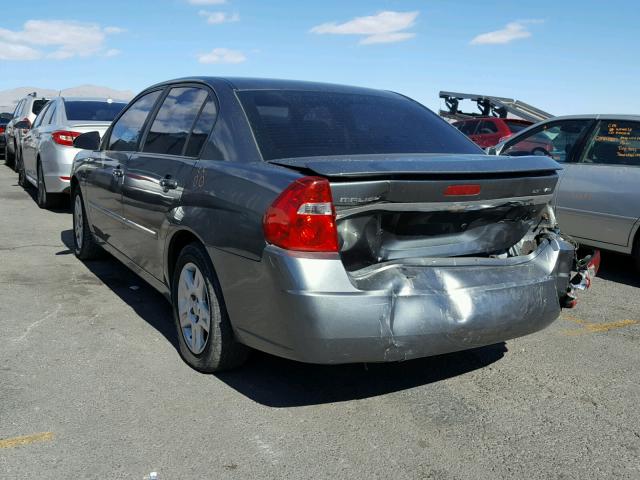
point(92, 99)
point(247, 83)
point(595, 116)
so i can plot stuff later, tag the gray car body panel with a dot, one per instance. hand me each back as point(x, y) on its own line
point(597, 204)
point(308, 306)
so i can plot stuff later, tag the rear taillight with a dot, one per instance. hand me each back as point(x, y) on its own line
point(64, 137)
point(303, 217)
point(1, 129)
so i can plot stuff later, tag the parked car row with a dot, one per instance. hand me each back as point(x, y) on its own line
point(321, 223)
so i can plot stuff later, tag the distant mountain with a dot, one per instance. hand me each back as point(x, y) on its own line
point(9, 98)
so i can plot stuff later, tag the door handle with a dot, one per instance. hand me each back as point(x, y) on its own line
point(117, 172)
point(168, 183)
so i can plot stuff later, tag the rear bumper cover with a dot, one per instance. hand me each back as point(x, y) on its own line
point(307, 307)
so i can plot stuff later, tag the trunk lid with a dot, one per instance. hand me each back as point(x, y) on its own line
point(427, 206)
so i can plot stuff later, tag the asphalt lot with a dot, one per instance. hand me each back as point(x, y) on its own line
point(91, 386)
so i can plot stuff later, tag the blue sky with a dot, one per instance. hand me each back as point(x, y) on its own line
point(562, 56)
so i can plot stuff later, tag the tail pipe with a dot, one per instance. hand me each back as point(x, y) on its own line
point(586, 270)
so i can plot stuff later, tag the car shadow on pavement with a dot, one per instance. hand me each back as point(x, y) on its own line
point(146, 301)
point(619, 268)
point(277, 382)
point(280, 383)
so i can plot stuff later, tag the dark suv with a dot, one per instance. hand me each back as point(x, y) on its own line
point(489, 131)
point(322, 223)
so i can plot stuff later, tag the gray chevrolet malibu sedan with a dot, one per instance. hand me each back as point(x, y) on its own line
point(321, 223)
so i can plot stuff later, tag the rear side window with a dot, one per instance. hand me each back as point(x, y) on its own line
point(92, 111)
point(614, 143)
point(126, 132)
point(16, 112)
point(291, 123)
point(170, 129)
point(202, 128)
point(38, 105)
point(38, 121)
point(516, 127)
point(487, 128)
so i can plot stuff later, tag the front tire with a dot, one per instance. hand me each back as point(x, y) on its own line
point(205, 337)
point(84, 245)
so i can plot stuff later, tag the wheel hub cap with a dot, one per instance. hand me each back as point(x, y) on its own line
point(193, 308)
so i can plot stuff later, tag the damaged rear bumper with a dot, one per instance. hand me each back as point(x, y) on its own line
point(315, 311)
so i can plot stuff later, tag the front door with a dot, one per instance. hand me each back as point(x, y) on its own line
point(599, 195)
point(106, 176)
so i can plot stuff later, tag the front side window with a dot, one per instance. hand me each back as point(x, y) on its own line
point(295, 123)
point(92, 111)
point(170, 129)
point(556, 140)
point(614, 143)
point(126, 132)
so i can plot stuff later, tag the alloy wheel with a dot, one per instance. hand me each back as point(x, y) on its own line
point(78, 219)
point(194, 308)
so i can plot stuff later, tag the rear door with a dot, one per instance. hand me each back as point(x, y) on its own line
point(599, 195)
point(106, 175)
point(156, 175)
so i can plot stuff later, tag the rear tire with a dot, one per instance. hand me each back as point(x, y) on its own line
point(46, 200)
point(84, 245)
point(8, 157)
point(636, 251)
point(205, 337)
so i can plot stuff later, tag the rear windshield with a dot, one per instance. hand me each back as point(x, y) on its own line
point(92, 111)
point(38, 105)
point(515, 127)
point(289, 124)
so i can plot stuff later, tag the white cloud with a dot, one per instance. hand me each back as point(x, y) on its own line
point(112, 52)
point(511, 32)
point(222, 55)
point(58, 39)
point(385, 27)
point(215, 18)
point(207, 2)
point(12, 51)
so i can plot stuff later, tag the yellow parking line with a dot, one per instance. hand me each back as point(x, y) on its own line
point(26, 440)
point(589, 327)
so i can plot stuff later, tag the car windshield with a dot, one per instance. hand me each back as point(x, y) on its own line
point(93, 110)
point(289, 124)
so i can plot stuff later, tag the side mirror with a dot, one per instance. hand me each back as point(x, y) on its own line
point(87, 141)
point(22, 125)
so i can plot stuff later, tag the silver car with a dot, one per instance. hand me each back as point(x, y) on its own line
point(47, 148)
point(26, 110)
point(598, 197)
